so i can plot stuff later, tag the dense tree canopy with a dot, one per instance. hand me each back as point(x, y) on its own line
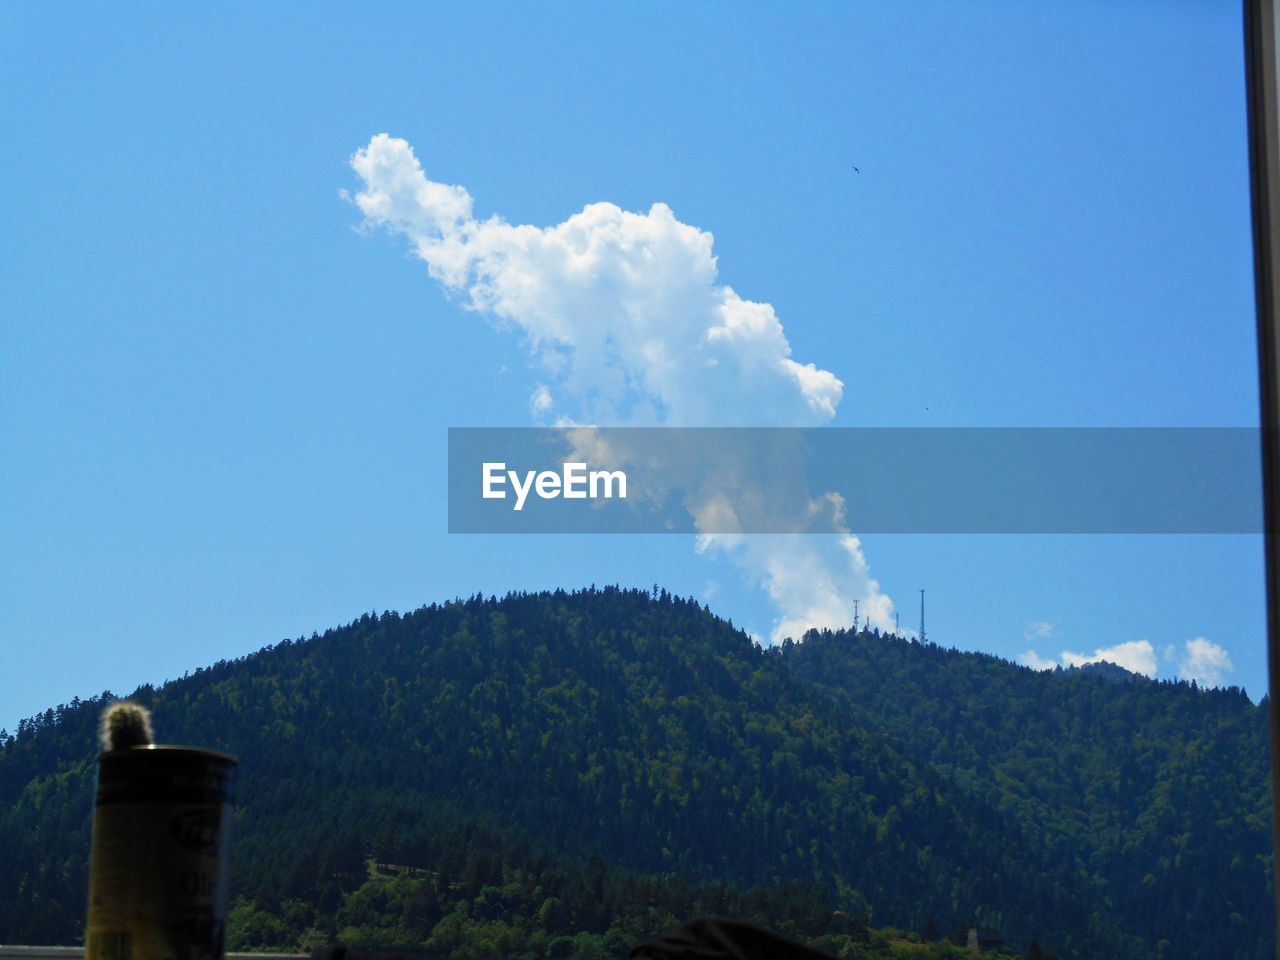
point(561, 774)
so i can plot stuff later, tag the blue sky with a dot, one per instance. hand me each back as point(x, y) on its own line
point(223, 407)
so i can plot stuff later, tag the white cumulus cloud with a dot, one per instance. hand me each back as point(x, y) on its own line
point(625, 310)
point(1204, 662)
point(540, 402)
point(1038, 630)
point(1138, 656)
point(1029, 658)
point(812, 580)
point(1197, 659)
point(626, 315)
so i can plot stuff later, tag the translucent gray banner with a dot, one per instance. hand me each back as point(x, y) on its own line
point(867, 480)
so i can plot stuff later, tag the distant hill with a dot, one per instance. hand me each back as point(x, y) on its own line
point(1112, 672)
point(557, 773)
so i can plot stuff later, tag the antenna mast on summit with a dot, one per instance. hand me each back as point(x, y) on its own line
point(897, 624)
point(922, 616)
point(855, 616)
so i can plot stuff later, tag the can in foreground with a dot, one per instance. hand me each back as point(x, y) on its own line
point(158, 867)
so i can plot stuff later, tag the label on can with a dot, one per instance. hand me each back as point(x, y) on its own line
point(158, 870)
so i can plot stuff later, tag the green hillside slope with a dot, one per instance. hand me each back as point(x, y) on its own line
point(602, 763)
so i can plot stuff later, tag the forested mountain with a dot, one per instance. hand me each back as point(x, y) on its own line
point(559, 773)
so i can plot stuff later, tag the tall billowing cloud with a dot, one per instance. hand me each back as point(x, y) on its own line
point(626, 316)
point(622, 309)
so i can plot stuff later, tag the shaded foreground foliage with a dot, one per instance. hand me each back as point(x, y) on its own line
point(562, 774)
